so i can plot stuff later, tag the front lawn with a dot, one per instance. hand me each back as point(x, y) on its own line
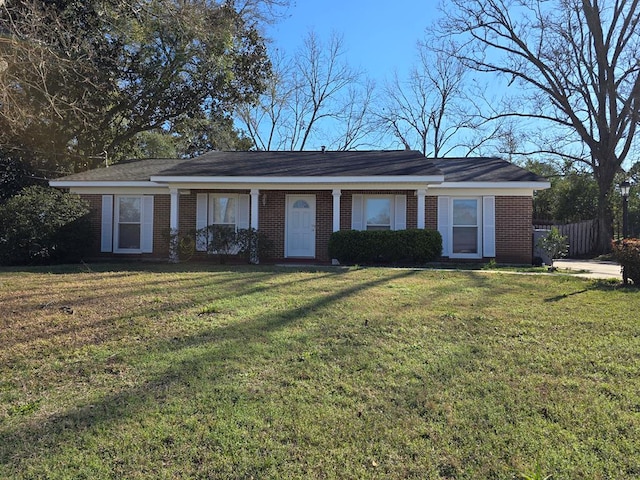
point(165, 371)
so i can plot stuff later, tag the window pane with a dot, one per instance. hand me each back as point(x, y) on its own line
point(301, 204)
point(224, 210)
point(465, 240)
point(465, 212)
point(129, 209)
point(129, 236)
point(378, 211)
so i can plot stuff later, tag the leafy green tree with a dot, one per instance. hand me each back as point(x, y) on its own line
point(42, 225)
point(79, 78)
point(572, 196)
point(15, 174)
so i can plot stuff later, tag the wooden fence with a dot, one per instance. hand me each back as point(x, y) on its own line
point(581, 236)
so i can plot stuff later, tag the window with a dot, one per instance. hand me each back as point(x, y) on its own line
point(132, 223)
point(378, 213)
point(129, 223)
point(465, 237)
point(467, 226)
point(229, 210)
point(223, 210)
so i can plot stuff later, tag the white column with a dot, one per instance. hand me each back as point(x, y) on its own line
point(421, 194)
point(336, 209)
point(255, 197)
point(173, 224)
point(173, 212)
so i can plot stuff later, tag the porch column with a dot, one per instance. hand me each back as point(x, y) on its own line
point(173, 224)
point(255, 197)
point(421, 194)
point(336, 209)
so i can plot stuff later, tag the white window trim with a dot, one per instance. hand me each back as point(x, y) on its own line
point(212, 198)
point(204, 213)
point(392, 208)
point(398, 210)
point(478, 226)
point(146, 224)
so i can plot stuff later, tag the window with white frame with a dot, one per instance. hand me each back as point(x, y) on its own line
point(132, 223)
point(379, 212)
point(229, 210)
point(465, 226)
point(223, 210)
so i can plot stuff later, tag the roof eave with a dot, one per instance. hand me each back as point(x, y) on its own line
point(496, 185)
point(110, 183)
point(331, 180)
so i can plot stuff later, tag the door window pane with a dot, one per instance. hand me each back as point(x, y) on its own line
point(378, 213)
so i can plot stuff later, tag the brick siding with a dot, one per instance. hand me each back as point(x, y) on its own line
point(514, 230)
point(513, 221)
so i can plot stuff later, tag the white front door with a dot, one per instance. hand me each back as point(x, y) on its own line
point(301, 226)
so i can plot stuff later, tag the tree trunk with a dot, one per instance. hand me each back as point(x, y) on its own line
point(604, 213)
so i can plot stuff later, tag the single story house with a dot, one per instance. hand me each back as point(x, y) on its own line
point(481, 206)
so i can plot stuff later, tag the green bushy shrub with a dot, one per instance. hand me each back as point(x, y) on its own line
point(627, 253)
point(43, 225)
point(225, 242)
point(411, 246)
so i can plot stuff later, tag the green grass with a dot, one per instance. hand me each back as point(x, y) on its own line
point(159, 371)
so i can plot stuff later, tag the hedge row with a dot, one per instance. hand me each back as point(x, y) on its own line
point(385, 246)
point(627, 253)
point(43, 225)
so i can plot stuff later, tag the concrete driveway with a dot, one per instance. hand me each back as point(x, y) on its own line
point(591, 268)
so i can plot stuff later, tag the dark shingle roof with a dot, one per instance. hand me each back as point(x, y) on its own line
point(311, 164)
point(130, 171)
point(306, 164)
point(484, 170)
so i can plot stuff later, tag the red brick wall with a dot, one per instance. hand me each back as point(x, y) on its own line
point(513, 229)
point(161, 206)
point(513, 220)
point(431, 213)
point(346, 200)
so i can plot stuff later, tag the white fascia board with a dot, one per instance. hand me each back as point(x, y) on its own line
point(496, 185)
point(119, 191)
point(301, 187)
point(103, 184)
point(292, 181)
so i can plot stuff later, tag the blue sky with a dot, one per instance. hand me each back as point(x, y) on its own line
point(379, 36)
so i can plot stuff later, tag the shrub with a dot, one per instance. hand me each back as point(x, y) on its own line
point(224, 241)
point(554, 245)
point(627, 253)
point(43, 225)
point(385, 246)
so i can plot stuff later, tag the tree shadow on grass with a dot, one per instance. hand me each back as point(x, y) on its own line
point(598, 285)
point(21, 443)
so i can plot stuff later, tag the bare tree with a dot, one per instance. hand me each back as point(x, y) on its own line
point(430, 110)
point(310, 95)
point(575, 64)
